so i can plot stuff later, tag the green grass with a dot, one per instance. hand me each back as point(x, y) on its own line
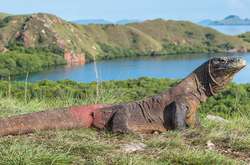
point(23, 61)
point(245, 36)
point(90, 146)
point(3, 15)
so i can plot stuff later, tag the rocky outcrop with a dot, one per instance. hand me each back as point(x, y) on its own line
point(73, 58)
point(238, 50)
point(38, 32)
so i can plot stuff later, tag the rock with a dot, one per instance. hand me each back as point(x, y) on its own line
point(133, 147)
point(210, 145)
point(156, 133)
point(217, 119)
point(43, 31)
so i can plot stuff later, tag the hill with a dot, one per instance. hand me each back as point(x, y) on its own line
point(229, 20)
point(82, 43)
point(205, 22)
point(245, 36)
point(3, 15)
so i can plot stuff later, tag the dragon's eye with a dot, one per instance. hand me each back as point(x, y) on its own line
point(222, 61)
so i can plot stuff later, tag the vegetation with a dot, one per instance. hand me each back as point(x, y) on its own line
point(23, 61)
point(31, 43)
point(230, 101)
point(110, 52)
point(245, 36)
point(3, 15)
point(89, 146)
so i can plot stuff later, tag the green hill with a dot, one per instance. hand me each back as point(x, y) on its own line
point(81, 43)
point(245, 36)
point(3, 15)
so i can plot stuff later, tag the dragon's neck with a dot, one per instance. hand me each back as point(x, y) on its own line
point(200, 84)
point(191, 85)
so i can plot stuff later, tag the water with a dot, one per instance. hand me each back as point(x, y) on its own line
point(175, 67)
point(232, 29)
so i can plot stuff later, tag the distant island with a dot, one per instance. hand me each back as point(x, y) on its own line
point(91, 21)
point(229, 20)
point(105, 22)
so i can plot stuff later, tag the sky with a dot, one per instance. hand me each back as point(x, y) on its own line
point(113, 10)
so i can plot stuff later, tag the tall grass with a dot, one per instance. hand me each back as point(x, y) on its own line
point(26, 86)
point(97, 78)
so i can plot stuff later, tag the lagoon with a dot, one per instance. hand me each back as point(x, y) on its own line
point(171, 66)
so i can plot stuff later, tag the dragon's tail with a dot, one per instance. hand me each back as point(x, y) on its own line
point(67, 118)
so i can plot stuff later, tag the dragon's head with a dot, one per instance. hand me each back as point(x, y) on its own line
point(222, 69)
point(219, 71)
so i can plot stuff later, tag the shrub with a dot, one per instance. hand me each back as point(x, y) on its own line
point(22, 61)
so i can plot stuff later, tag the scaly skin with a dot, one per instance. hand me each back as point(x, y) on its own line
point(172, 109)
point(65, 118)
point(177, 107)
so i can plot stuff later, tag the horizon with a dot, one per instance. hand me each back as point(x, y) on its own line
point(125, 19)
point(111, 10)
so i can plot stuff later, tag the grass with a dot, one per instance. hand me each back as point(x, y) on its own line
point(90, 146)
point(3, 15)
point(245, 36)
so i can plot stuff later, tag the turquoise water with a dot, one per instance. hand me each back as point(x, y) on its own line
point(176, 67)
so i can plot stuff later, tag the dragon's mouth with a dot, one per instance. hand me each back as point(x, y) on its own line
point(242, 63)
point(237, 65)
point(233, 65)
point(227, 64)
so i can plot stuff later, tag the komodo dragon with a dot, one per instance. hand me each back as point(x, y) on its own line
point(175, 108)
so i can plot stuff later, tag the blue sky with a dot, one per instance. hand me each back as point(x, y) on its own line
point(113, 10)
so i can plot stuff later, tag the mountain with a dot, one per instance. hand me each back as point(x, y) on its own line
point(229, 20)
point(205, 22)
point(127, 21)
point(91, 21)
point(76, 43)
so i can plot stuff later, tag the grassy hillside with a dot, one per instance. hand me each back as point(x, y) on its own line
point(51, 32)
point(3, 15)
point(83, 43)
point(88, 146)
point(245, 36)
point(180, 34)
